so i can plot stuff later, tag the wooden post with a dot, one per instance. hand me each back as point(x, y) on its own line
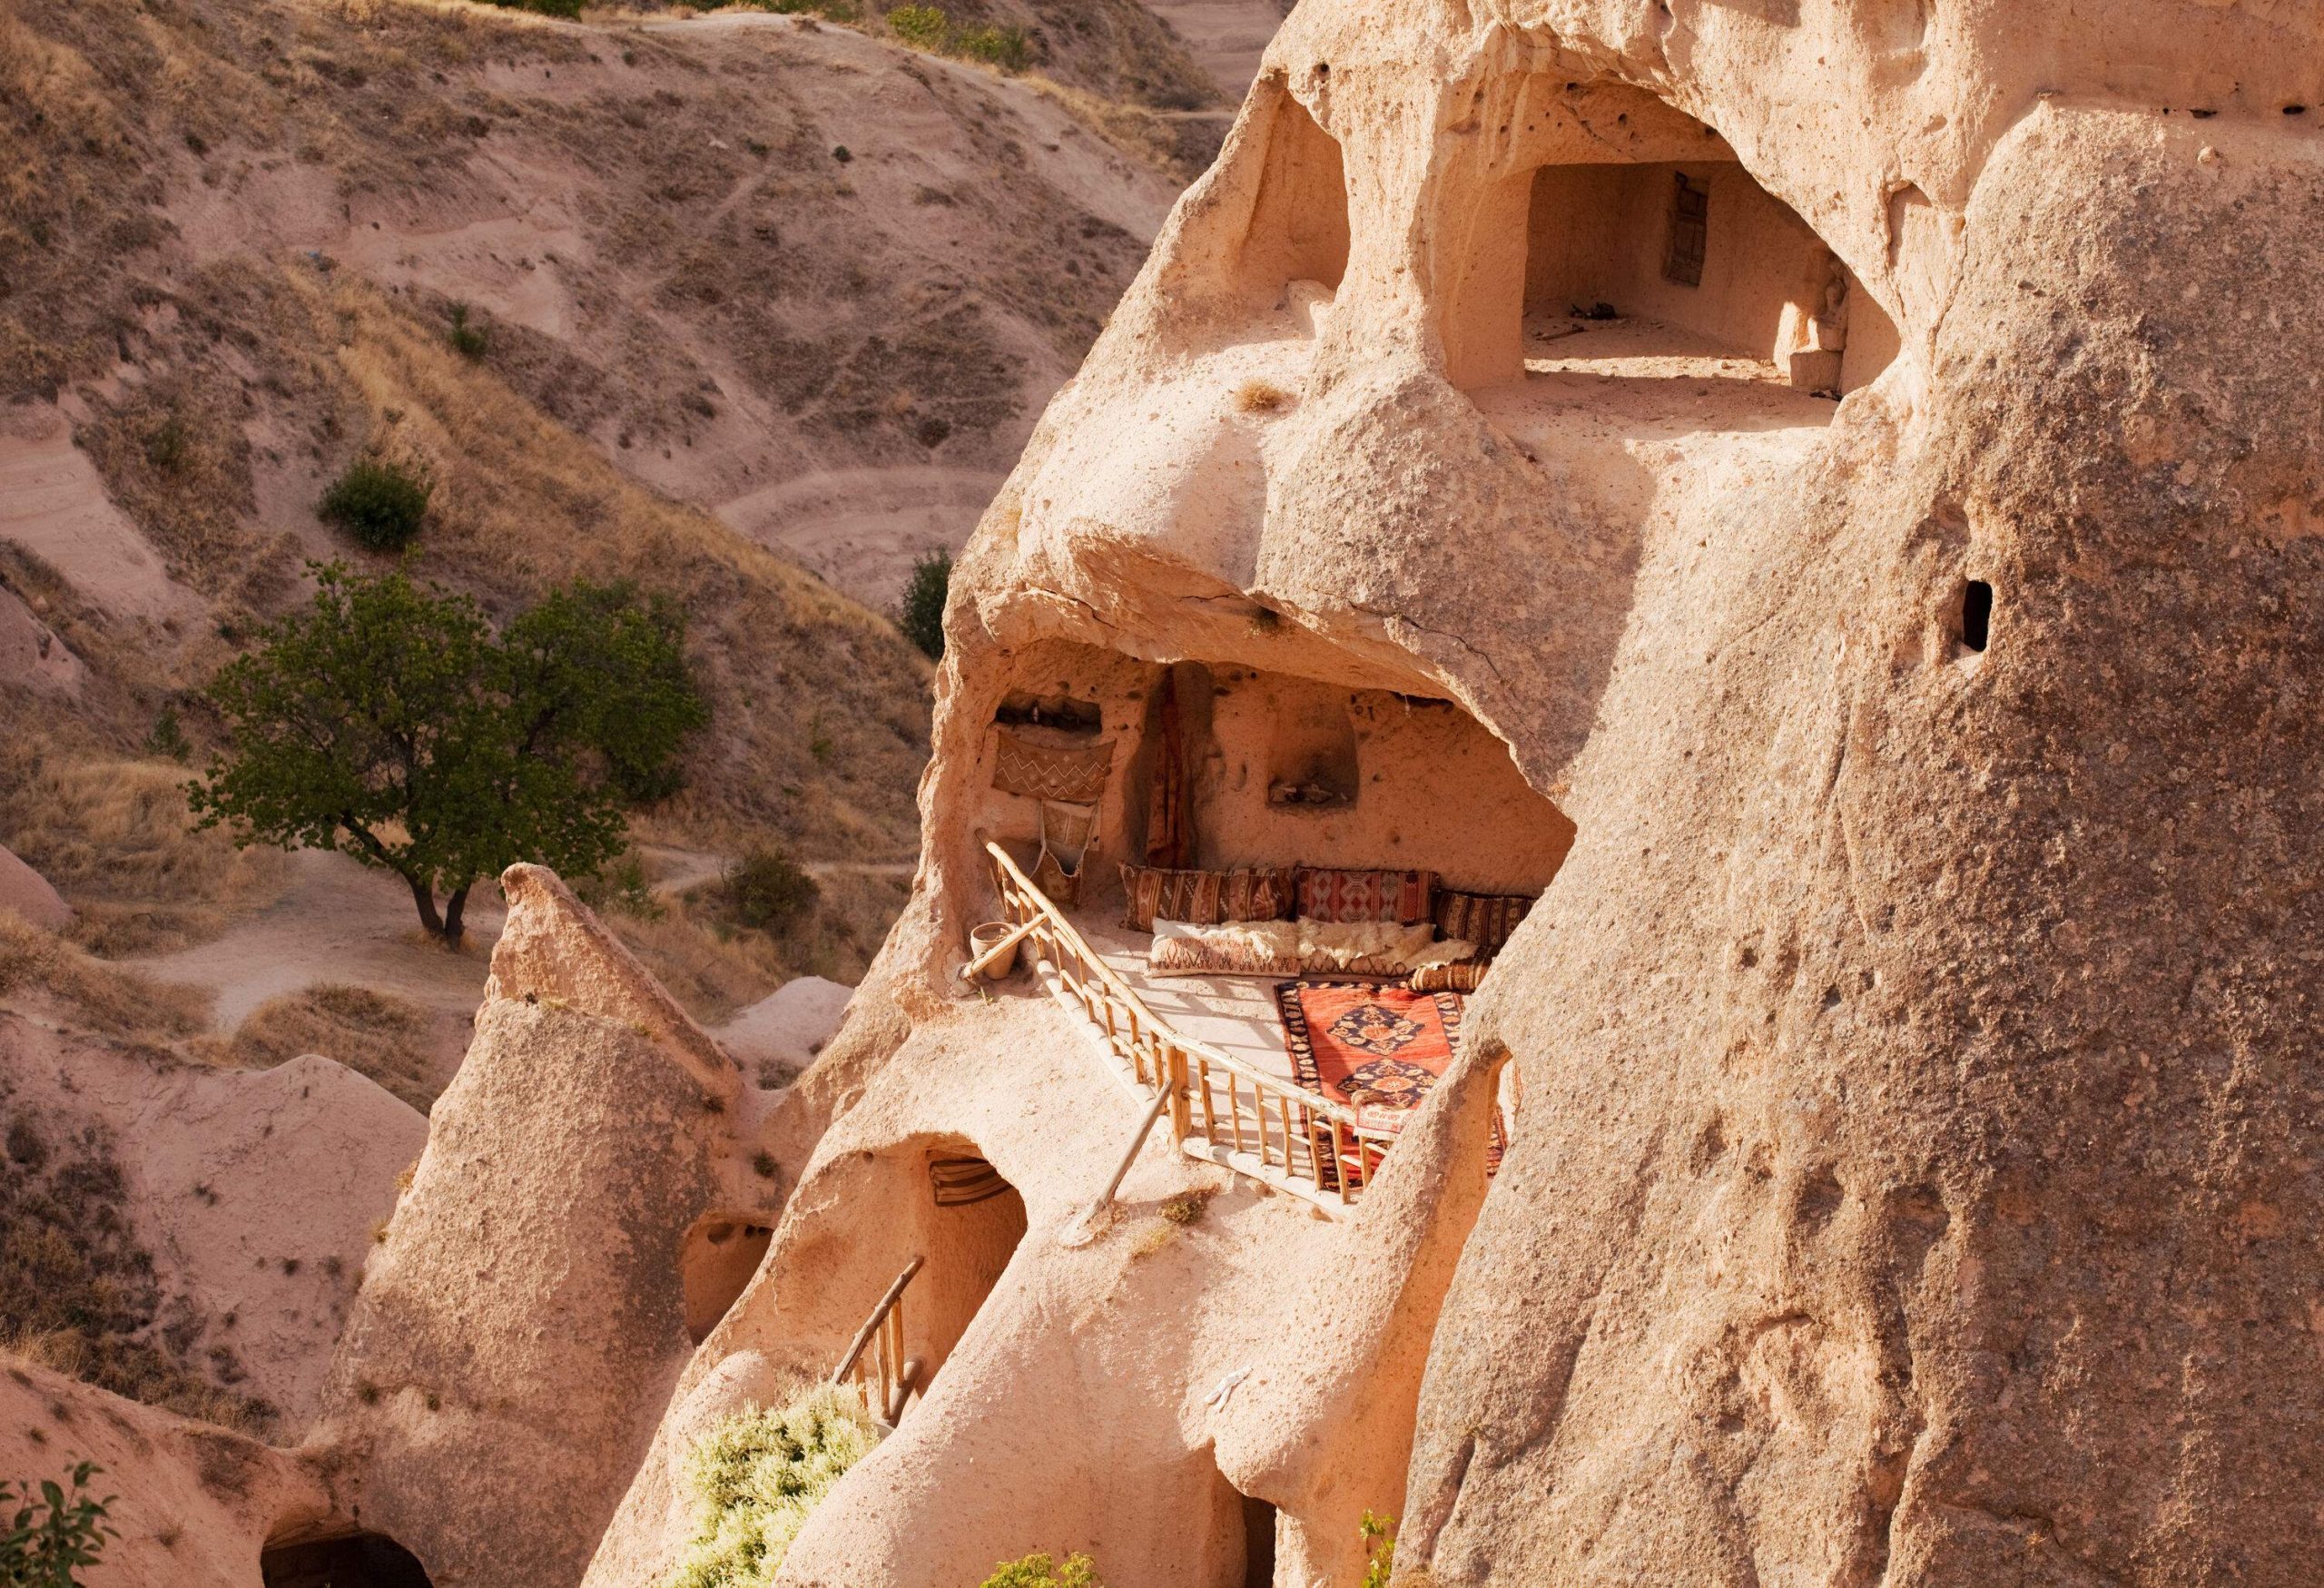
point(1121, 1170)
point(879, 1315)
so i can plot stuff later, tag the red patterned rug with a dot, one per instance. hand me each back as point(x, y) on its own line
point(1389, 1042)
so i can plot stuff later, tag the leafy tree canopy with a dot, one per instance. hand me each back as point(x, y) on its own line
point(391, 722)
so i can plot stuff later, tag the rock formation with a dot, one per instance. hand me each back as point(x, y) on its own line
point(28, 894)
point(1906, 1180)
point(192, 1504)
point(557, 1255)
point(1823, 493)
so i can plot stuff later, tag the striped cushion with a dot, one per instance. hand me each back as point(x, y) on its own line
point(1330, 893)
point(1150, 893)
point(1485, 920)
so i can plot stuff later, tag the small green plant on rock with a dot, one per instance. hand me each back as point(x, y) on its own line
point(756, 1476)
point(922, 27)
point(1038, 1571)
point(50, 1535)
point(471, 341)
point(1379, 1535)
point(168, 737)
point(1004, 47)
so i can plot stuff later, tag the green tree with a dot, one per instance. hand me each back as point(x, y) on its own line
point(49, 1535)
point(390, 722)
point(920, 614)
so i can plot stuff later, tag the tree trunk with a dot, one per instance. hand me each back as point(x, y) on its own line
point(454, 908)
point(424, 895)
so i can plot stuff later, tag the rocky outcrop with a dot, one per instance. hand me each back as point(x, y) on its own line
point(191, 1505)
point(255, 1193)
point(1906, 1178)
point(523, 1320)
point(29, 894)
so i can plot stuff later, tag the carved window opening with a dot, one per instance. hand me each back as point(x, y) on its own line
point(1299, 218)
point(1976, 614)
point(1627, 239)
point(1258, 1543)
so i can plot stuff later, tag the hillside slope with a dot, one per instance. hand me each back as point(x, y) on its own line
point(735, 293)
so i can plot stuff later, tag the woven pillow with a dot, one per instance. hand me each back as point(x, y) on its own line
point(1150, 893)
point(1330, 893)
point(1485, 920)
point(1462, 977)
point(1240, 948)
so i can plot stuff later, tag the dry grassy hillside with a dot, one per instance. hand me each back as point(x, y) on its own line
point(762, 265)
point(689, 302)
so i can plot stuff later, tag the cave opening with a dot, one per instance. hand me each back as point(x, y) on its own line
point(353, 1560)
point(1630, 241)
point(1258, 1542)
point(951, 1223)
point(1299, 231)
point(721, 1254)
point(1976, 614)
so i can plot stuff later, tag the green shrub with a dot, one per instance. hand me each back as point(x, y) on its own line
point(565, 8)
point(839, 11)
point(380, 503)
point(620, 886)
point(472, 341)
point(920, 614)
point(1038, 1570)
point(168, 737)
point(923, 27)
point(1004, 47)
point(50, 1533)
point(766, 891)
point(757, 1476)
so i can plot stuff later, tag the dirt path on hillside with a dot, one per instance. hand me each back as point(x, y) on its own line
point(341, 922)
point(337, 922)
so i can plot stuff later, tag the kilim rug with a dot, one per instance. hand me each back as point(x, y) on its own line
point(1388, 1042)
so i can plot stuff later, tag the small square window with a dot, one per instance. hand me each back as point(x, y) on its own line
point(1682, 261)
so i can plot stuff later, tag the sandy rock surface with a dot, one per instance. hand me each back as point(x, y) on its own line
point(257, 1192)
point(192, 1504)
point(1907, 1175)
point(28, 894)
point(788, 1027)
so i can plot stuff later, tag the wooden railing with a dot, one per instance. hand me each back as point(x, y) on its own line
point(875, 1360)
point(1220, 1109)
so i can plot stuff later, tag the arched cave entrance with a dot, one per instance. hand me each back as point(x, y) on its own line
point(950, 1220)
point(353, 1560)
point(1630, 241)
point(720, 1254)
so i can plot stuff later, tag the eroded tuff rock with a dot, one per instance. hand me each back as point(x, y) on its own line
point(586, 1186)
point(192, 1503)
point(1909, 1176)
point(1824, 495)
